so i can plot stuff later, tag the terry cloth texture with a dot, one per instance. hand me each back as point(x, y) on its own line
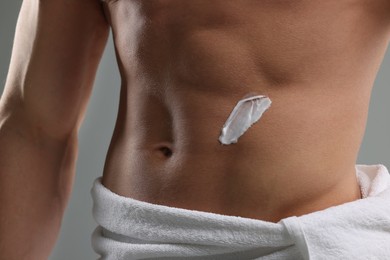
point(132, 229)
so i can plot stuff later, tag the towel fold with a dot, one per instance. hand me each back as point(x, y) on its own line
point(132, 229)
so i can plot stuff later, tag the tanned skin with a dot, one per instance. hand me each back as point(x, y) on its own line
point(184, 65)
point(57, 48)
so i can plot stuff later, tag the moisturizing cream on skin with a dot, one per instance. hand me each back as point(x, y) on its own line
point(247, 112)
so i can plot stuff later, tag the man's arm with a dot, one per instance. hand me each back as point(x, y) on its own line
point(57, 48)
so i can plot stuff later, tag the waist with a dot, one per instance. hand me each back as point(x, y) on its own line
point(301, 144)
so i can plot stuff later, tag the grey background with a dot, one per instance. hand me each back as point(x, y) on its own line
point(96, 131)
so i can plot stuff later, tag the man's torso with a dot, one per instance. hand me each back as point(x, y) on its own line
point(185, 65)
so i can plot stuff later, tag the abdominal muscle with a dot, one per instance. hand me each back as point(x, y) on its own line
point(185, 66)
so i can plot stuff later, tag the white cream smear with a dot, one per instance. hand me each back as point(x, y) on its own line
point(247, 112)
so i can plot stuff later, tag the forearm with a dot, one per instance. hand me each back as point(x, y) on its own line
point(36, 176)
point(57, 48)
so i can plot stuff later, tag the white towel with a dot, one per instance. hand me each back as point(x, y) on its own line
point(132, 229)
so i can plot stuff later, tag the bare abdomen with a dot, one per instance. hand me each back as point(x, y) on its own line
point(183, 78)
